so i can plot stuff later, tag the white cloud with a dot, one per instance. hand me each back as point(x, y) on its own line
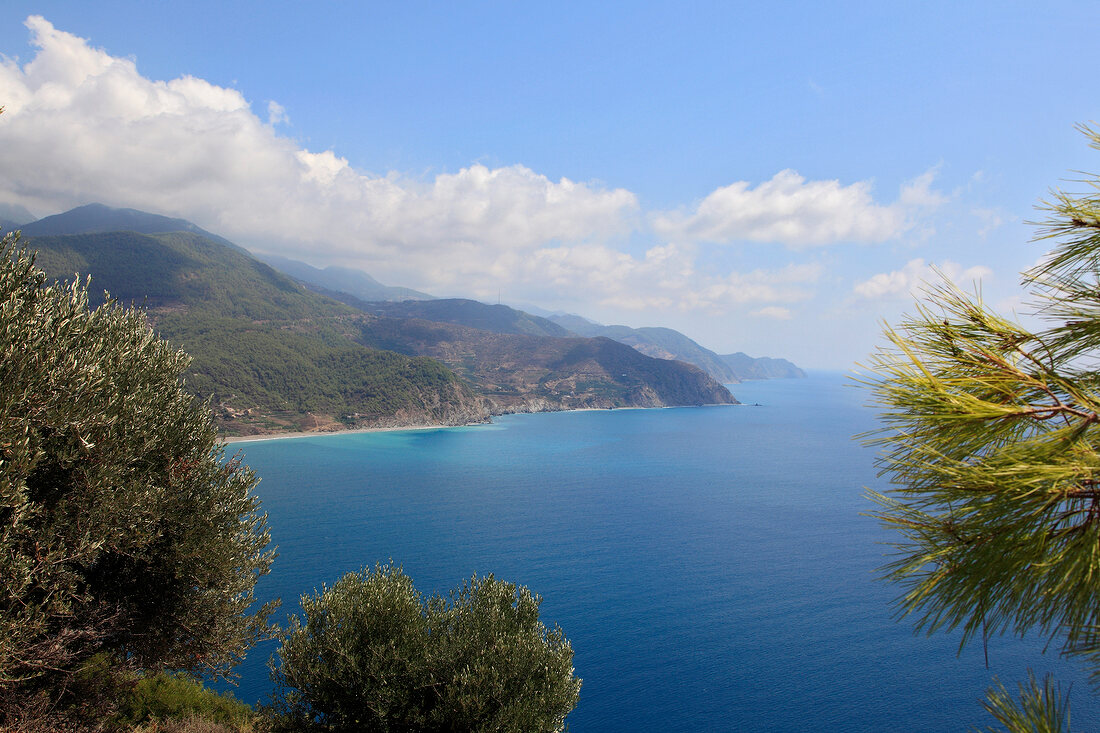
point(916, 274)
point(276, 113)
point(990, 219)
point(918, 193)
point(83, 126)
point(665, 278)
point(773, 311)
point(790, 210)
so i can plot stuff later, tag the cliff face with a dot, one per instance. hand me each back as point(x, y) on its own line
point(447, 407)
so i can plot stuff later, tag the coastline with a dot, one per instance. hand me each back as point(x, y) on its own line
point(320, 433)
point(405, 428)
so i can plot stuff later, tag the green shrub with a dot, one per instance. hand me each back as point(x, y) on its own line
point(372, 654)
point(167, 696)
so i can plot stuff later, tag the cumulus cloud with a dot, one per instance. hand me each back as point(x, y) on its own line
point(916, 274)
point(82, 125)
point(990, 219)
point(276, 113)
point(796, 212)
point(919, 194)
point(665, 278)
point(773, 311)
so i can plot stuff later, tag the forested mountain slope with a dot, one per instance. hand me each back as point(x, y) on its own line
point(273, 355)
point(462, 312)
point(522, 372)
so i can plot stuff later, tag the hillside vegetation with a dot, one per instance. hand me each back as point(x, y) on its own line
point(271, 355)
point(522, 373)
point(274, 356)
point(361, 291)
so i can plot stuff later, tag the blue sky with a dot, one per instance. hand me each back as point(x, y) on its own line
point(768, 178)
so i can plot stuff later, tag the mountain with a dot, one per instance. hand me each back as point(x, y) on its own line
point(273, 355)
point(661, 343)
point(96, 218)
point(532, 373)
point(13, 216)
point(342, 280)
point(495, 318)
point(762, 367)
point(666, 343)
point(363, 292)
point(524, 362)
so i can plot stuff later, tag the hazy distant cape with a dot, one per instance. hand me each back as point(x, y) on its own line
point(665, 343)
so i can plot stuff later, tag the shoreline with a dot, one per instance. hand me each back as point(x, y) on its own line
point(406, 428)
point(321, 433)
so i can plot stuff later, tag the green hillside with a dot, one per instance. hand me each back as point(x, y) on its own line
point(523, 372)
point(463, 312)
point(270, 354)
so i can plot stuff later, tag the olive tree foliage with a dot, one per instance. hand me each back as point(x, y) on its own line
point(991, 438)
point(123, 531)
point(372, 654)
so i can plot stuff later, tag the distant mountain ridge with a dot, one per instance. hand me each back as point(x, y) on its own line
point(666, 343)
point(762, 367)
point(656, 342)
point(342, 280)
point(276, 356)
point(272, 355)
point(13, 216)
point(661, 343)
point(472, 313)
point(534, 373)
point(97, 218)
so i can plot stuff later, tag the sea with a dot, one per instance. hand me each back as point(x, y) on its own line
point(714, 568)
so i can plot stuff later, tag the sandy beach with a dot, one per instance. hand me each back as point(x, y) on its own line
point(318, 433)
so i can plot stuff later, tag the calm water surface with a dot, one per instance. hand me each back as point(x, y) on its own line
point(711, 566)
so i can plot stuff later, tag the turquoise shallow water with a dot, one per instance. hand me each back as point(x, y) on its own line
point(711, 566)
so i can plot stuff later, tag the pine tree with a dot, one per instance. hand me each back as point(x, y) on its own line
point(991, 437)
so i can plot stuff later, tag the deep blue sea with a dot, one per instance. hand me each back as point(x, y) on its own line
point(711, 566)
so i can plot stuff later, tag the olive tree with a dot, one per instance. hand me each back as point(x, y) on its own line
point(123, 529)
point(991, 437)
point(372, 654)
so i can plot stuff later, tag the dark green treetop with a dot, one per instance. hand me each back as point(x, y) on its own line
point(372, 654)
point(122, 528)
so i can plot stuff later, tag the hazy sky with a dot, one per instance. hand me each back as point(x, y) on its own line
point(769, 178)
